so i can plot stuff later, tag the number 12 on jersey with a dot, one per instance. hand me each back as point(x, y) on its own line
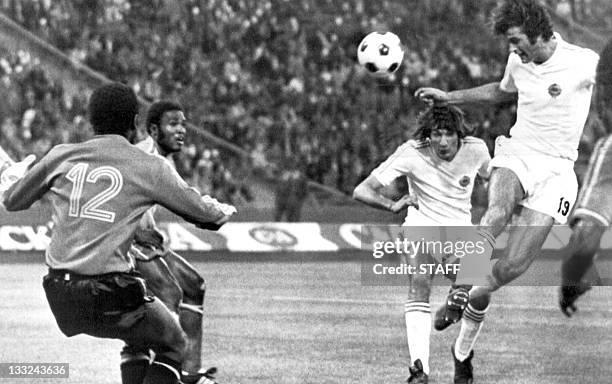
point(90, 209)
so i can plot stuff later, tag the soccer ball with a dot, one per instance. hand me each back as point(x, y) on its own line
point(380, 53)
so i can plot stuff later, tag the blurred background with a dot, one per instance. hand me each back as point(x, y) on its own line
point(284, 122)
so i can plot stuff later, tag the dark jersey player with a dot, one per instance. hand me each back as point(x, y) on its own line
point(170, 277)
point(98, 191)
point(593, 212)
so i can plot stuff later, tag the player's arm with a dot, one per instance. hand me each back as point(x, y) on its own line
point(173, 193)
point(488, 93)
point(27, 190)
point(370, 190)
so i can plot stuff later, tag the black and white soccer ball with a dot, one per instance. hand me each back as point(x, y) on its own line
point(380, 53)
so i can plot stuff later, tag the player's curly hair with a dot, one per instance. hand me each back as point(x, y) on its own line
point(531, 16)
point(603, 94)
point(112, 109)
point(157, 109)
point(446, 117)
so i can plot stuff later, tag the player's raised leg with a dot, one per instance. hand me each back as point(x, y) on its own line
point(505, 192)
point(527, 234)
point(525, 240)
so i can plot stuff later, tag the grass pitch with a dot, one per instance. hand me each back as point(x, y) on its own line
point(283, 322)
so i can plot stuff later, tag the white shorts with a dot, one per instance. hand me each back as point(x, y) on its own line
point(414, 218)
point(550, 183)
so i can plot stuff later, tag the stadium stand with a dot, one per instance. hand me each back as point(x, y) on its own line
point(279, 82)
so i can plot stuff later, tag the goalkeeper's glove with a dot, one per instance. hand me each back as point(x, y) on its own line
point(15, 172)
point(227, 209)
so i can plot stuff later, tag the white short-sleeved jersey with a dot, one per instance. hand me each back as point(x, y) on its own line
point(553, 99)
point(148, 146)
point(443, 189)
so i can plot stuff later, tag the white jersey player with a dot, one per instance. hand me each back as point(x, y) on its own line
point(532, 180)
point(440, 167)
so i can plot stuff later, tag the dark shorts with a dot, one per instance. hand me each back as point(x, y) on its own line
point(595, 197)
point(89, 304)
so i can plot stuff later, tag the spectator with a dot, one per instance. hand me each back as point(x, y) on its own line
point(291, 191)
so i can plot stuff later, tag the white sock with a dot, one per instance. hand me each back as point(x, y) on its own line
point(471, 323)
point(418, 330)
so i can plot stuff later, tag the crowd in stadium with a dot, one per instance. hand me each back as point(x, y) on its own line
point(279, 81)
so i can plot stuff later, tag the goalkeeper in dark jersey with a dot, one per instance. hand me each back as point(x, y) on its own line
point(99, 191)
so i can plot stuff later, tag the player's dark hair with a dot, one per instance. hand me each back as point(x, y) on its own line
point(112, 109)
point(157, 110)
point(446, 117)
point(531, 16)
point(603, 80)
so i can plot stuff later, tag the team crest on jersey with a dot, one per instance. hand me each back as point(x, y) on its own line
point(554, 90)
point(465, 181)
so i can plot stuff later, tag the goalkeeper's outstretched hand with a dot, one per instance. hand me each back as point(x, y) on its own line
point(15, 172)
point(227, 209)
